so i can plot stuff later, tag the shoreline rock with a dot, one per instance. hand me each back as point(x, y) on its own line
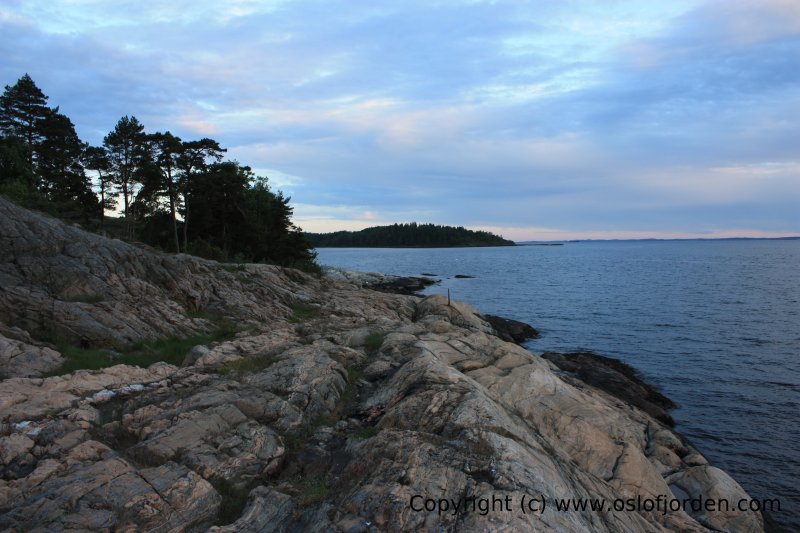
point(616, 378)
point(511, 330)
point(332, 411)
point(408, 285)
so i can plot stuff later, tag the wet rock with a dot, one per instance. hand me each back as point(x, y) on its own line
point(381, 282)
point(616, 378)
point(402, 285)
point(511, 330)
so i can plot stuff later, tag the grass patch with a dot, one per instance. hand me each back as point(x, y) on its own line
point(302, 311)
point(374, 341)
point(229, 267)
point(76, 358)
point(248, 365)
point(224, 327)
point(312, 489)
point(170, 350)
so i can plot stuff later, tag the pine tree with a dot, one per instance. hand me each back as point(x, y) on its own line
point(61, 173)
point(15, 170)
point(217, 198)
point(168, 151)
point(194, 160)
point(95, 158)
point(23, 108)
point(127, 149)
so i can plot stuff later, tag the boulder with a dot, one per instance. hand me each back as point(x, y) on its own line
point(511, 330)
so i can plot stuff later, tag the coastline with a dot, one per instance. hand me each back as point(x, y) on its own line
point(334, 407)
point(678, 312)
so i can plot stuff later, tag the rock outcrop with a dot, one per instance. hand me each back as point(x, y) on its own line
point(366, 412)
point(409, 285)
point(21, 356)
point(511, 330)
point(616, 378)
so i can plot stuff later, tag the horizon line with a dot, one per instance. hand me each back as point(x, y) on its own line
point(785, 238)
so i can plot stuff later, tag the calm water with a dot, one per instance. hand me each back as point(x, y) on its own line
point(714, 324)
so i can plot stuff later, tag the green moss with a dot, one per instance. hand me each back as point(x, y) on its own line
point(82, 358)
point(232, 267)
point(170, 350)
point(312, 489)
point(302, 311)
point(374, 341)
point(224, 326)
point(248, 365)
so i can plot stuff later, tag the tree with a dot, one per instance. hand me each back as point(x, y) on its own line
point(269, 234)
point(95, 158)
point(44, 164)
point(61, 174)
point(14, 166)
point(194, 159)
point(216, 196)
point(23, 108)
point(127, 150)
point(167, 152)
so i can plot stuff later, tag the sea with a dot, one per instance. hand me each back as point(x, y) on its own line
point(714, 324)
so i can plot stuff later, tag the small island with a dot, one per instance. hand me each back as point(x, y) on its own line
point(410, 235)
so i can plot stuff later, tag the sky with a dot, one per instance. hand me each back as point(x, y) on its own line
point(538, 120)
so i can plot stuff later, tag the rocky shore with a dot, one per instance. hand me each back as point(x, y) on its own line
point(335, 408)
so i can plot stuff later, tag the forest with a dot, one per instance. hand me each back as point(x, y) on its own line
point(173, 194)
point(407, 235)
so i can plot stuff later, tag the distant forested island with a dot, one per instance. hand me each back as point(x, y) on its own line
point(407, 235)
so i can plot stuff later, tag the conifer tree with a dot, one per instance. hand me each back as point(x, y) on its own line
point(127, 152)
point(95, 158)
point(15, 170)
point(61, 172)
point(168, 151)
point(194, 160)
point(23, 108)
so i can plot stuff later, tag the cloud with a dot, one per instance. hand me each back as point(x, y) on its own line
point(519, 234)
point(580, 116)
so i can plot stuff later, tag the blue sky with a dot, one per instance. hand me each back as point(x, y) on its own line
point(538, 120)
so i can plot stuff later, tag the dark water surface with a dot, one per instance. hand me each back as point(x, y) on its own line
point(714, 324)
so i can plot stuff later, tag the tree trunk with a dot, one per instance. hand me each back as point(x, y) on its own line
point(185, 223)
point(102, 200)
point(126, 197)
point(172, 213)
